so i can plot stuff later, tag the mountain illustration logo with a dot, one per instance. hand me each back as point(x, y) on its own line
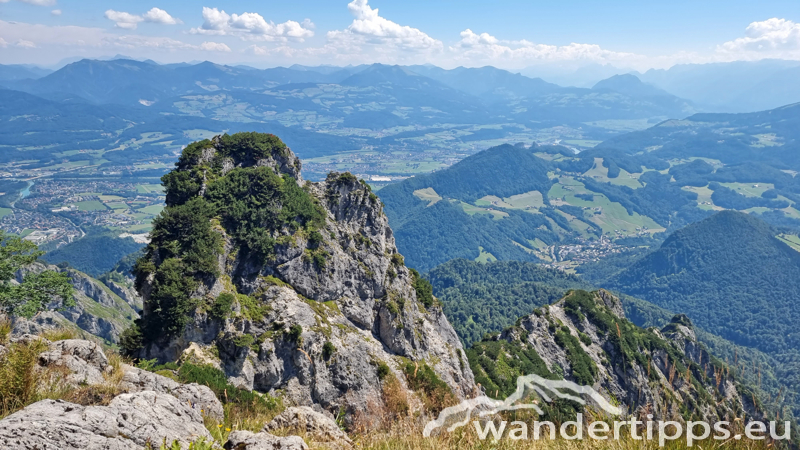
point(459, 415)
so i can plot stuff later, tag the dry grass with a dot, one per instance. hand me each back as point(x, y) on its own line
point(237, 418)
point(23, 381)
point(407, 435)
point(59, 334)
point(5, 329)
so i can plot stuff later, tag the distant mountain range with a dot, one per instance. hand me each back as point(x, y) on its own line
point(741, 86)
point(131, 82)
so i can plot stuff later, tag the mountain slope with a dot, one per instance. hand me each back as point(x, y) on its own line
point(586, 339)
point(486, 298)
point(730, 275)
point(435, 219)
point(631, 85)
point(488, 82)
point(739, 86)
point(289, 285)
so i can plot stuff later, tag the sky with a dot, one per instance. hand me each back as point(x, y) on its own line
point(511, 34)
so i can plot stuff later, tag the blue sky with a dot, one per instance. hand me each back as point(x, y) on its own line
point(512, 34)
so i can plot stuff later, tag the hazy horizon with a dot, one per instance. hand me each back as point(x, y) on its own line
point(514, 35)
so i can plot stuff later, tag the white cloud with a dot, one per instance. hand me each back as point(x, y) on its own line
point(124, 20)
point(772, 38)
point(252, 26)
point(156, 15)
point(56, 12)
point(485, 47)
point(130, 21)
point(369, 28)
point(215, 47)
point(92, 42)
point(25, 44)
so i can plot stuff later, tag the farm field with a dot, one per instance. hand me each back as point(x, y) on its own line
point(92, 205)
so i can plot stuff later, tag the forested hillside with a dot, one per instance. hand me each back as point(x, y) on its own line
point(485, 299)
point(734, 278)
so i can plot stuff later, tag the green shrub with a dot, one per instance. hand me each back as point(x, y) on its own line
point(424, 289)
point(131, 340)
point(383, 370)
point(392, 307)
point(295, 333)
point(244, 340)
point(584, 370)
point(315, 238)
point(398, 260)
point(223, 305)
point(170, 301)
point(436, 394)
point(328, 350)
point(253, 309)
point(216, 380)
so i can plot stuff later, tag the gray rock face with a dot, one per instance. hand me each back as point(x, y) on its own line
point(303, 419)
point(245, 440)
point(675, 376)
point(130, 421)
point(199, 397)
point(98, 310)
point(127, 293)
point(84, 360)
point(319, 331)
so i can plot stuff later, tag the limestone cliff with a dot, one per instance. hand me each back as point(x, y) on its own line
point(98, 311)
point(585, 338)
point(295, 286)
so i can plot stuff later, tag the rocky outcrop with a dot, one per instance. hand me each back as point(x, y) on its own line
point(84, 361)
point(585, 338)
point(127, 293)
point(306, 421)
point(325, 315)
point(246, 440)
point(130, 421)
point(98, 311)
point(200, 397)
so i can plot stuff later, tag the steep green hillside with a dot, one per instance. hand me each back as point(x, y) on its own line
point(734, 278)
point(481, 299)
point(731, 274)
point(454, 214)
point(586, 338)
point(485, 298)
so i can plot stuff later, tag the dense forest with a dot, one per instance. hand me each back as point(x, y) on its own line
point(485, 298)
point(96, 253)
point(728, 269)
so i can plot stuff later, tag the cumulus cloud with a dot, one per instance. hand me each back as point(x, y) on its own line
point(484, 46)
point(252, 26)
point(215, 47)
point(130, 21)
point(56, 12)
point(772, 38)
point(3, 43)
point(25, 44)
point(369, 27)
